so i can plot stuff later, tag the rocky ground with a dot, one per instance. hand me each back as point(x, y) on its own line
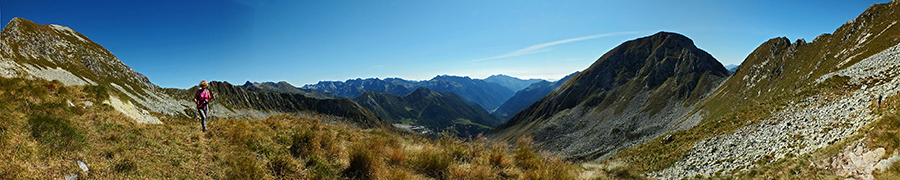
point(857, 161)
point(802, 128)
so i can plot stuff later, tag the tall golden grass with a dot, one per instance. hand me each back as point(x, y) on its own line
point(42, 137)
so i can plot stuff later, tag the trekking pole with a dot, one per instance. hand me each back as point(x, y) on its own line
point(211, 100)
point(211, 109)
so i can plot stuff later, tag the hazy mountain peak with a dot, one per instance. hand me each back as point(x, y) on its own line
point(488, 95)
point(422, 92)
point(513, 83)
point(527, 96)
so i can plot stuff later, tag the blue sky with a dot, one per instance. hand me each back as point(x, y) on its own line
point(179, 43)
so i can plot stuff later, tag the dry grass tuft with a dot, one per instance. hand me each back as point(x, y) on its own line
point(364, 163)
point(43, 136)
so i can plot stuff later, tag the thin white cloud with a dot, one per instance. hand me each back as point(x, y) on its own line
point(538, 48)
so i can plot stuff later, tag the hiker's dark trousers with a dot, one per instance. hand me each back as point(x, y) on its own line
point(203, 111)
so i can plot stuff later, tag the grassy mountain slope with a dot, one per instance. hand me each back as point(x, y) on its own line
point(526, 97)
point(54, 52)
point(775, 76)
point(635, 92)
point(432, 109)
point(57, 52)
point(44, 138)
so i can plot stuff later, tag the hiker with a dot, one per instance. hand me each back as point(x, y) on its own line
point(202, 98)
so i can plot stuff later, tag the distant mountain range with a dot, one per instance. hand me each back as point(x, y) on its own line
point(488, 95)
point(527, 96)
point(435, 110)
point(285, 87)
point(513, 83)
point(731, 67)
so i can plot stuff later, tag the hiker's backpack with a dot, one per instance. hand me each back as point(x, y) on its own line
point(203, 97)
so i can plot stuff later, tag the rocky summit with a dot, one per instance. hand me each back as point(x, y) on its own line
point(637, 91)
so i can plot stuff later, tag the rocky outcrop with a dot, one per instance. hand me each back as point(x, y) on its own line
point(858, 162)
point(635, 92)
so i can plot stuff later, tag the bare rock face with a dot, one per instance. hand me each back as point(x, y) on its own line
point(635, 92)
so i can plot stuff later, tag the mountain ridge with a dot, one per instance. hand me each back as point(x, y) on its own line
point(488, 95)
point(55, 52)
point(782, 86)
point(616, 102)
point(285, 87)
point(435, 110)
point(513, 83)
point(528, 96)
